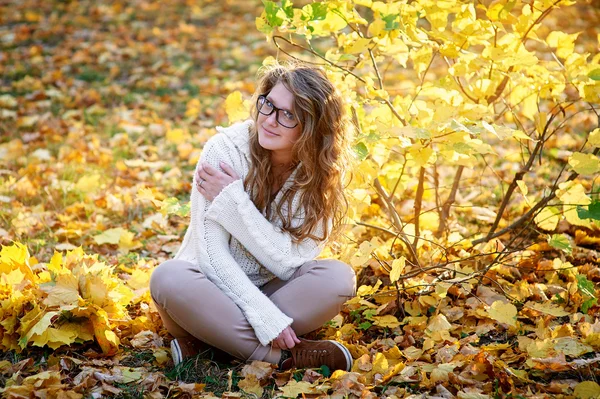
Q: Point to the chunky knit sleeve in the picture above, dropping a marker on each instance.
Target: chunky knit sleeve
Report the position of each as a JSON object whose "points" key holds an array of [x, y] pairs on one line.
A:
{"points": [[271, 246], [211, 244]]}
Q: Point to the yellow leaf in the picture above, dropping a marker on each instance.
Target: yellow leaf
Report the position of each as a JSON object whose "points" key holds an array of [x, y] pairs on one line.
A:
{"points": [[161, 355], [365, 290], [386, 321], [16, 256], [442, 371], [234, 106], [594, 138], [176, 136], [548, 308], [65, 291], [523, 187], [250, 384], [548, 218], [55, 264], [332, 23], [127, 242], [439, 323], [139, 279], [108, 341], [429, 221], [377, 28], [518, 134], [192, 108], [294, 388], [130, 375], [571, 346], [397, 269], [12, 278], [503, 312], [563, 42], [423, 156], [55, 337], [358, 46], [110, 236], [88, 184], [261, 370], [584, 164], [572, 193], [587, 390], [380, 364], [42, 325], [28, 121]]}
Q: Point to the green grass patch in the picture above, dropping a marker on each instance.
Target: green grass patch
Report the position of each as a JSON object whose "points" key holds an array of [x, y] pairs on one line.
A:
{"points": [[90, 76]]}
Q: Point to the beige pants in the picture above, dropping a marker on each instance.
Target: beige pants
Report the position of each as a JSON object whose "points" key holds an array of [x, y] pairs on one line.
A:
{"points": [[189, 304]]}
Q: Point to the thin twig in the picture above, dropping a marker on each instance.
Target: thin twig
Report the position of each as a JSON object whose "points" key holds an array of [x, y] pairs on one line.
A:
{"points": [[445, 213], [313, 52], [397, 221], [418, 203]]}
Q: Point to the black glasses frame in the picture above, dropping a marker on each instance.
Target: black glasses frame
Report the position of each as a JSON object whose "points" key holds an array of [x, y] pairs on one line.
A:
{"points": [[259, 105]]}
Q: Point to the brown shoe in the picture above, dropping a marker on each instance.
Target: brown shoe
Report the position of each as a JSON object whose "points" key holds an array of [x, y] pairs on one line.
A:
{"points": [[186, 348], [312, 354]]}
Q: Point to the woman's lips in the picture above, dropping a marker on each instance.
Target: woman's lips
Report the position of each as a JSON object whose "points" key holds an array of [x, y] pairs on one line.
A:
{"points": [[269, 132]]}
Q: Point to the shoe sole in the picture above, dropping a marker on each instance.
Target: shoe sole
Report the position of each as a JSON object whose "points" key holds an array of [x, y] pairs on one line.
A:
{"points": [[347, 354], [176, 352]]}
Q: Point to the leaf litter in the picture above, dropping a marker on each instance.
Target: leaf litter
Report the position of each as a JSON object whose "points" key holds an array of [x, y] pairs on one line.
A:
{"points": [[104, 108]]}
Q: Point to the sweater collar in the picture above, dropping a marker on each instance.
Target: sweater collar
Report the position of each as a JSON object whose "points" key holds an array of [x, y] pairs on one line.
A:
{"points": [[239, 134]]}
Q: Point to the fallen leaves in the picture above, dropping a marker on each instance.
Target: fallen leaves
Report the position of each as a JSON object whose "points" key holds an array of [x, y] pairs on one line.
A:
{"points": [[73, 298], [104, 131]]}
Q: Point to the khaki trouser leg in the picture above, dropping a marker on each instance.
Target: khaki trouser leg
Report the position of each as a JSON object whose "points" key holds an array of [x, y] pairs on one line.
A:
{"points": [[189, 304]]}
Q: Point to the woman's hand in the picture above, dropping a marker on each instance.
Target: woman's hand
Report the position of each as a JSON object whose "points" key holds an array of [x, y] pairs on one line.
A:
{"points": [[210, 181], [287, 339]]}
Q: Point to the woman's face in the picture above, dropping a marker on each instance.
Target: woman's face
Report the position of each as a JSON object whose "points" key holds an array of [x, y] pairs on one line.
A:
{"points": [[271, 134]]}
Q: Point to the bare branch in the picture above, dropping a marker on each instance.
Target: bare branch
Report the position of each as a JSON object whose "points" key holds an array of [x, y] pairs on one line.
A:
{"points": [[397, 222], [313, 52], [445, 213], [418, 203]]}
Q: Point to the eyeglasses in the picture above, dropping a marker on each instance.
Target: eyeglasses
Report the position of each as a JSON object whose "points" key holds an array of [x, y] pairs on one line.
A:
{"points": [[266, 107]]}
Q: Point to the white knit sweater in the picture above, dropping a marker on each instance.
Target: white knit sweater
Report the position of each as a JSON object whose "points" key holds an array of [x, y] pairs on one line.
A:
{"points": [[235, 245]]}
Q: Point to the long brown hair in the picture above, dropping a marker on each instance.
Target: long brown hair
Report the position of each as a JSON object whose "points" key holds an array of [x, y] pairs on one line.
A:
{"points": [[321, 153]]}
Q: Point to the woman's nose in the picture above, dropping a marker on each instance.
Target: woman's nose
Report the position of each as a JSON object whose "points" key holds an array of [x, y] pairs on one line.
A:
{"points": [[272, 119]]}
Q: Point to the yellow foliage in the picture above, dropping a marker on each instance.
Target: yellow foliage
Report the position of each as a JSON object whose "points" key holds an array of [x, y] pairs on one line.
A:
{"points": [[79, 288]]}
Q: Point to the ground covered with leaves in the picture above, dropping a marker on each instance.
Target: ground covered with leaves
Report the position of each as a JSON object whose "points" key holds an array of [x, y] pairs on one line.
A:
{"points": [[104, 108]]}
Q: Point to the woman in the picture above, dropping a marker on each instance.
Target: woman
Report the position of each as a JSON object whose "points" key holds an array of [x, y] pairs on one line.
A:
{"points": [[266, 195]]}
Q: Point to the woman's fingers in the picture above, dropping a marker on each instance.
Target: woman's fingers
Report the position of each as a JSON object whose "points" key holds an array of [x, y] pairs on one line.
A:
{"points": [[209, 169], [229, 170]]}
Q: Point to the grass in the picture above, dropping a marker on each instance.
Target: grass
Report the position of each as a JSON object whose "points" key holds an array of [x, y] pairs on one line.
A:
{"points": [[136, 358], [218, 377]]}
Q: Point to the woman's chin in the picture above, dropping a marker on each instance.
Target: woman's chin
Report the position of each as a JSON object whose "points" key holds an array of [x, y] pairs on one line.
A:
{"points": [[266, 143]]}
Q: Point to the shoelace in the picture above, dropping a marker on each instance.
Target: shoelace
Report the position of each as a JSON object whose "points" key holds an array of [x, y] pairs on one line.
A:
{"points": [[312, 357]]}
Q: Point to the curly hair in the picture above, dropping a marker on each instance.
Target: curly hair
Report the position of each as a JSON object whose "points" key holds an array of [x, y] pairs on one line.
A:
{"points": [[321, 153]]}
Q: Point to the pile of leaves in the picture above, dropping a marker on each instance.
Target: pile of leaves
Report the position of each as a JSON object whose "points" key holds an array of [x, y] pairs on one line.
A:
{"points": [[105, 106]]}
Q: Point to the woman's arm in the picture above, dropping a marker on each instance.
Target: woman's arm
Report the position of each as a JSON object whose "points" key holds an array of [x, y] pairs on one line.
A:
{"points": [[211, 243], [272, 247]]}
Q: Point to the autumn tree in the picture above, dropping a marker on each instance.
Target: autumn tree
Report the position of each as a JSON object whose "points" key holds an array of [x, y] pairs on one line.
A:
{"points": [[477, 128]]}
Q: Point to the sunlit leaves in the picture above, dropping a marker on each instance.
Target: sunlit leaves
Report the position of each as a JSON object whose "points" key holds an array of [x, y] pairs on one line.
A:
{"points": [[563, 42], [585, 164], [594, 137], [73, 299], [560, 242], [503, 313], [398, 266], [548, 218], [595, 74], [235, 108]]}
